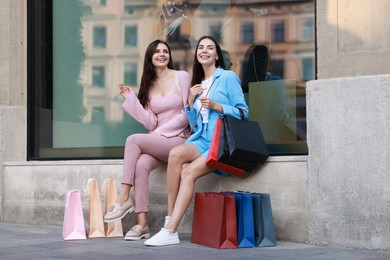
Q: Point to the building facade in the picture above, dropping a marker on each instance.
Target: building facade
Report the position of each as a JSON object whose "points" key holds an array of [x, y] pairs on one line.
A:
{"points": [[328, 175]]}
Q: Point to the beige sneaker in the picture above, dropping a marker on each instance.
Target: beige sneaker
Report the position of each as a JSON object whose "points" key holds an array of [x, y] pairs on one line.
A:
{"points": [[137, 233]]}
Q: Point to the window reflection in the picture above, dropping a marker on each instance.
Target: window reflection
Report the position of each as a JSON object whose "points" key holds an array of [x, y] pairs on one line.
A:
{"points": [[115, 33], [131, 36], [99, 37]]}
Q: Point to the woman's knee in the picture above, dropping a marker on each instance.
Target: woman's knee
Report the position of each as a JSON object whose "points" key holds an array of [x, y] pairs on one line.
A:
{"points": [[175, 155], [187, 175], [130, 139]]}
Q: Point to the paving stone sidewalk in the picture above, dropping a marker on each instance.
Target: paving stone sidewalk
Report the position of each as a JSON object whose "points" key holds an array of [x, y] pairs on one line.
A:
{"points": [[45, 242]]}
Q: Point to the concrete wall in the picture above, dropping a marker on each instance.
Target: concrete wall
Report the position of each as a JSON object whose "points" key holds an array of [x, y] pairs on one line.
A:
{"points": [[348, 119], [35, 192], [349, 161], [13, 88], [353, 38]]}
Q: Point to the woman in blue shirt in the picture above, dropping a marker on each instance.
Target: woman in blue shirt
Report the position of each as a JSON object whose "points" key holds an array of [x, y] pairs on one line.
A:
{"points": [[215, 92]]}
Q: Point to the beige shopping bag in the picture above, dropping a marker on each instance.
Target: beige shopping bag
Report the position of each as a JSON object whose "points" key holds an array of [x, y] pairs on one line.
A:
{"points": [[95, 215], [109, 195]]}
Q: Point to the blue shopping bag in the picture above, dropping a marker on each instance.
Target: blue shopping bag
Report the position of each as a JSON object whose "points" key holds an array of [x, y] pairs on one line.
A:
{"points": [[263, 221], [245, 219]]}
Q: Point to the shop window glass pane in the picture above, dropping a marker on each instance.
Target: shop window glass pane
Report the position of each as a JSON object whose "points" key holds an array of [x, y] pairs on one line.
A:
{"points": [[99, 37], [77, 112]]}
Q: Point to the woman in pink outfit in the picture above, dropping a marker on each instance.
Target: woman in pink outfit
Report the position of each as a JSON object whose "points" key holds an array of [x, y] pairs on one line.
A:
{"points": [[159, 106]]}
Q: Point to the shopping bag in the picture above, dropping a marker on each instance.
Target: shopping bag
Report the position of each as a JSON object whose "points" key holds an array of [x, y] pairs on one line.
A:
{"points": [[264, 225], [245, 140], [212, 157], [214, 220], [224, 153], [245, 220], [73, 227], [95, 215], [109, 195]]}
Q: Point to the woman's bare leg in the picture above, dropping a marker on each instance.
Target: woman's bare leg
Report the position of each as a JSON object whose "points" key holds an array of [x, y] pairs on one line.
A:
{"points": [[189, 175], [177, 157]]}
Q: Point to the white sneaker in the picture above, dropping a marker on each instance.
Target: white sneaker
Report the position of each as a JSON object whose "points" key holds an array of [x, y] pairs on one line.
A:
{"points": [[163, 238]]}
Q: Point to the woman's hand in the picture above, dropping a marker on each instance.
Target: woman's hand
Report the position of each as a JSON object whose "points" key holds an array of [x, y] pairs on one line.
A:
{"points": [[194, 91], [210, 104], [124, 90]]}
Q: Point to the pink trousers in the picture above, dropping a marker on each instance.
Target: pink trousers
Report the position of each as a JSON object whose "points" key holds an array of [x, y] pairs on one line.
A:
{"points": [[143, 153]]}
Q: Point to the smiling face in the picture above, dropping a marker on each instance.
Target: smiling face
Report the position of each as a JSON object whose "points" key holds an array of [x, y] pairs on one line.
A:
{"points": [[161, 56], [206, 52]]}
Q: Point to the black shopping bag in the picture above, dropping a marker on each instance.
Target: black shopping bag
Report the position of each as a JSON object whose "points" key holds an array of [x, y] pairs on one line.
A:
{"points": [[224, 153], [245, 140]]}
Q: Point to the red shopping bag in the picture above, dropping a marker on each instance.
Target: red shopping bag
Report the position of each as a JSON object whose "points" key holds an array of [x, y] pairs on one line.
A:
{"points": [[73, 227], [212, 158], [214, 221]]}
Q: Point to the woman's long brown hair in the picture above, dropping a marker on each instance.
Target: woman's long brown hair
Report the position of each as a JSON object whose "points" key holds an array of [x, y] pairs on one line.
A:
{"points": [[197, 69], [149, 75]]}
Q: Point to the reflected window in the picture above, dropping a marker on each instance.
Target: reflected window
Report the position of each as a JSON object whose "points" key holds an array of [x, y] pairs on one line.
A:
{"points": [[277, 68], [247, 33], [103, 2], [129, 9], [98, 76], [308, 68], [215, 31], [99, 37], [130, 74], [278, 31], [308, 30], [97, 115], [131, 36]]}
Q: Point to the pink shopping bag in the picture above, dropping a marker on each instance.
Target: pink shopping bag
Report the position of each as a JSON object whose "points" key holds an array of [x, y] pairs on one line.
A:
{"points": [[95, 214], [109, 195], [73, 227]]}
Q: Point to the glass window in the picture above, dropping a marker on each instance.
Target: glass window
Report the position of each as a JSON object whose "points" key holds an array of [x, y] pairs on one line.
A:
{"points": [[308, 30], [131, 36], [278, 31], [99, 37], [74, 103], [215, 31], [98, 76], [247, 33], [308, 68], [130, 75]]}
